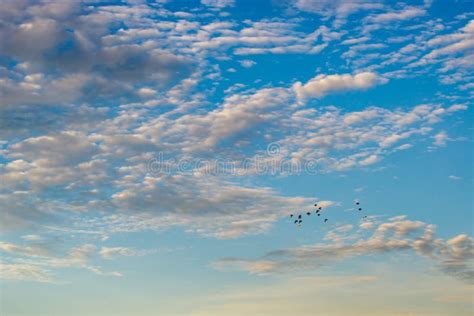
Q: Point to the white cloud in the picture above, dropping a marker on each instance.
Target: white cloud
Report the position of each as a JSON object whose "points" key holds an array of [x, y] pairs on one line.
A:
{"points": [[453, 50], [247, 63], [116, 154], [31, 237], [90, 69], [36, 263], [336, 140], [112, 252], [325, 84], [66, 148], [405, 14], [34, 250], [238, 113], [212, 207], [454, 256], [23, 272], [457, 107], [370, 160], [91, 159], [218, 3], [440, 139], [146, 92], [339, 8]]}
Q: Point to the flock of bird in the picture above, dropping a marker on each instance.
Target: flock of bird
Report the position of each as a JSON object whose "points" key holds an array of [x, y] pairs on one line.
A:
{"points": [[317, 212]]}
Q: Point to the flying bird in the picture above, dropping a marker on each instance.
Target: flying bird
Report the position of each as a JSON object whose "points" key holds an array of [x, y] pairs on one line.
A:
{"points": [[298, 218]]}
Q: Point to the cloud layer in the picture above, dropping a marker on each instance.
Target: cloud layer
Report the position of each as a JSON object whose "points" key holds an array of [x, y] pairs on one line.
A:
{"points": [[453, 256], [92, 93]]}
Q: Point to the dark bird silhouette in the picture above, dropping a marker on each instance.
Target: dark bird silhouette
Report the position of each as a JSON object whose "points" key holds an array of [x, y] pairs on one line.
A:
{"points": [[318, 212]]}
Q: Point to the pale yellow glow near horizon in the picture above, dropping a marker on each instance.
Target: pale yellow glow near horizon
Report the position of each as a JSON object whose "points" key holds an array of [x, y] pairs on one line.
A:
{"points": [[392, 294]]}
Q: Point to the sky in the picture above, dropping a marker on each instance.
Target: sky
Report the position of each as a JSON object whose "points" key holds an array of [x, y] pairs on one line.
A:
{"points": [[151, 153]]}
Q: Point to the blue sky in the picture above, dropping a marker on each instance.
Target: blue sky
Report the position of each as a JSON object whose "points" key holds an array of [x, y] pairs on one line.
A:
{"points": [[151, 153]]}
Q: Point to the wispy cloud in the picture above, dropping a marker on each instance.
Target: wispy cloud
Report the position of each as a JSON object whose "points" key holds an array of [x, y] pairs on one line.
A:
{"points": [[453, 256]]}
